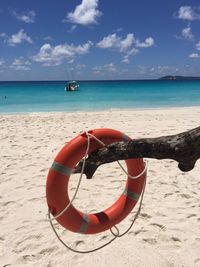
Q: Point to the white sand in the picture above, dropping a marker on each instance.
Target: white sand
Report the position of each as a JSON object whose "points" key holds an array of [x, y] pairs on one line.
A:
{"points": [[167, 233]]}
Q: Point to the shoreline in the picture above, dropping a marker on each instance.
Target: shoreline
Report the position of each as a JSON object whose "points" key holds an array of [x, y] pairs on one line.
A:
{"points": [[100, 111], [162, 235]]}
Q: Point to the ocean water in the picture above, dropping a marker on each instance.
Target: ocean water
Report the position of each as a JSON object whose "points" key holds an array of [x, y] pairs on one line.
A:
{"points": [[50, 96]]}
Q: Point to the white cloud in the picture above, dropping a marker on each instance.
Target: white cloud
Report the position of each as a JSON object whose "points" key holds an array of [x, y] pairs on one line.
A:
{"points": [[53, 56], [27, 17], [78, 69], [198, 46], [110, 67], [125, 60], [18, 38], [114, 41], [20, 64], [156, 71], [86, 13], [147, 43], [126, 43], [109, 41], [131, 52], [141, 69], [187, 13], [194, 56], [129, 45], [97, 69], [105, 69], [187, 33]]}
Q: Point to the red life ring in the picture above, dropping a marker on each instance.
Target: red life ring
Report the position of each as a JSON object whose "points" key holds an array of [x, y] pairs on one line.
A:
{"points": [[58, 178]]}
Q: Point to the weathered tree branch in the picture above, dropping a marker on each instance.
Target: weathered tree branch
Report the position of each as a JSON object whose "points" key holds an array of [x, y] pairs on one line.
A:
{"points": [[183, 148]]}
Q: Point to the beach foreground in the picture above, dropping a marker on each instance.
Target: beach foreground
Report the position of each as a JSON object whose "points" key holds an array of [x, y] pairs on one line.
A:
{"points": [[167, 232]]}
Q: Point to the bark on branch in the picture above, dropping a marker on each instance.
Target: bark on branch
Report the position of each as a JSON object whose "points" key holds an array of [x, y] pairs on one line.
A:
{"points": [[183, 148]]}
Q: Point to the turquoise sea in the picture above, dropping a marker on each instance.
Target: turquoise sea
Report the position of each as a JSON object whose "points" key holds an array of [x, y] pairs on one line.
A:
{"points": [[97, 95]]}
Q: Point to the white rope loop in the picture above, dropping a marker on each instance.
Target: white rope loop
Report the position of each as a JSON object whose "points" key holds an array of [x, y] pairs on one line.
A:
{"points": [[78, 185], [116, 235]]}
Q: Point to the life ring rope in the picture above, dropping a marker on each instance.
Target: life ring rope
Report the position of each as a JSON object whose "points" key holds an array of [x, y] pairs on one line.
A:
{"points": [[133, 195], [79, 181]]}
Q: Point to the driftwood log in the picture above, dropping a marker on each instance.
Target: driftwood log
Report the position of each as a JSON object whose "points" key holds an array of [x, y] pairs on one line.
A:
{"points": [[183, 148]]}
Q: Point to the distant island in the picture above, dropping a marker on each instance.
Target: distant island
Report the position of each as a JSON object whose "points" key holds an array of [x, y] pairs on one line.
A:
{"points": [[171, 77]]}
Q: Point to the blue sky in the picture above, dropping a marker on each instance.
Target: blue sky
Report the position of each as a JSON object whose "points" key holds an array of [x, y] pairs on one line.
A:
{"points": [[98, 39]]}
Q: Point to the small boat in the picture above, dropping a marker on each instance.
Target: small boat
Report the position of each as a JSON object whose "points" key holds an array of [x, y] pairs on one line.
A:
{"points": [[71, 86]]}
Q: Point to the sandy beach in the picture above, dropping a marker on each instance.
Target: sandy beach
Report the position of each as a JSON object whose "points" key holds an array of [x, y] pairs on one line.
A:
{"points": [[166, 233]]}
